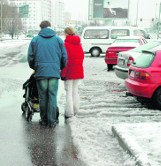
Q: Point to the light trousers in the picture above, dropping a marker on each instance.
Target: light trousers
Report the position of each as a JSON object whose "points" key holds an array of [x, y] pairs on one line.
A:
{"points": [[72, 97]]}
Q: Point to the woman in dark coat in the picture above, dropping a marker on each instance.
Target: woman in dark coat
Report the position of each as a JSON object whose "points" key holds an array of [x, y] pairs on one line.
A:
{"points": [[73, 71]]}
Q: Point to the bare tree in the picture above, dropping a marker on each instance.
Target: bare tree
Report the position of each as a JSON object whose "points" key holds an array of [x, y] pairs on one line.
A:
{"points": [[11, 21]]}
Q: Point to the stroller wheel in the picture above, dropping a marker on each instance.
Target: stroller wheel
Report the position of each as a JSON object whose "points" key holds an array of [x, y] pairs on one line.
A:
{"points": [[23, 107], [29, 117], [28, 114]]}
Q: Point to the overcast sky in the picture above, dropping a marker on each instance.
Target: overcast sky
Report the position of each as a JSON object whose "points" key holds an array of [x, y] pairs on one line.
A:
{"points": [[79, 8]]}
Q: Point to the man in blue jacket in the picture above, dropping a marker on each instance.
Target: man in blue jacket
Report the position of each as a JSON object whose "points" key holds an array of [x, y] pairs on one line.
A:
{"points": [[47, 56]]}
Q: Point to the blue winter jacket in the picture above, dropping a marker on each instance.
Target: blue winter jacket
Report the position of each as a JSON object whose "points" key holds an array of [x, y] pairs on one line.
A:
{"points": [[45, 53]]}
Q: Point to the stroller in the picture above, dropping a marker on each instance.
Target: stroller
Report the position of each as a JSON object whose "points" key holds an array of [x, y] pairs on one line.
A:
{"points": [[31, 103]]}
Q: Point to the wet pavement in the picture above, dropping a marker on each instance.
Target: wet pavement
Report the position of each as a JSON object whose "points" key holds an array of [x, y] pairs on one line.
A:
{"points": [[29, 144], [25, 143]]}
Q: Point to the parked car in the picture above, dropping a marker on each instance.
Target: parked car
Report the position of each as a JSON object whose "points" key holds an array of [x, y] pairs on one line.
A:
{"points": [[96, 39], [125, 58], [29, 35], [144, 76], [123, 43]]}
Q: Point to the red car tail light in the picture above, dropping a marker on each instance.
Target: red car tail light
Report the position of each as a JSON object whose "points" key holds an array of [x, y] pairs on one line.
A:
{"points": [[130, 61], [109, 52], [143, 75]]}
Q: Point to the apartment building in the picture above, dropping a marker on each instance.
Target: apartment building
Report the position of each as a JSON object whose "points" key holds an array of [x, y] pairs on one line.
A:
{"points": [[57, 14], [38, 10]]}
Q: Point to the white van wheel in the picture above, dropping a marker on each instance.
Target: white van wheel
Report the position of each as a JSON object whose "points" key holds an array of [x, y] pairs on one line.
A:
{"points": [[95, 52]]}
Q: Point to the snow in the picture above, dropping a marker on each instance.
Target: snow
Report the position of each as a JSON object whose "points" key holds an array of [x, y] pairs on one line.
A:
{"points": [[93, 128], [146, 142]]}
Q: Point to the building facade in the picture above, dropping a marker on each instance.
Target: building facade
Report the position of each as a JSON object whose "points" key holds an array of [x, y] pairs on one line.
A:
{"points": [[57, 14], [38, 10]]}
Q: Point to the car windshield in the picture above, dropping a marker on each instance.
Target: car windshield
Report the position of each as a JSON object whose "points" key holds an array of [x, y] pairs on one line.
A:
{"points": [[151, 45], [126, 41], [144, 60]]}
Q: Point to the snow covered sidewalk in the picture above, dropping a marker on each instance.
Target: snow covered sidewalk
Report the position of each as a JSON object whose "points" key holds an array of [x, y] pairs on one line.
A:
{"points": [[105, 114], [141, 140]]}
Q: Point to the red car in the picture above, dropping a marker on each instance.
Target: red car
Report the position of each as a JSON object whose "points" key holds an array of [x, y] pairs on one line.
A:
{"points": [[121, 44], [144, 76]]}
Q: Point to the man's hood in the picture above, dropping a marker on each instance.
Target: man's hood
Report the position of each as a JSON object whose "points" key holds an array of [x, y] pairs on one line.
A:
{"points": [[47, 33]]}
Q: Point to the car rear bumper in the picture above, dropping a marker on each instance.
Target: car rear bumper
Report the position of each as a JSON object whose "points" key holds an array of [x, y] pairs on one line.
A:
{"points": [[121, 72], [140, 89]]}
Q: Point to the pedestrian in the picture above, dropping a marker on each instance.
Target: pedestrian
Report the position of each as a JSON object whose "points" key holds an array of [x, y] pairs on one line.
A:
{"points": [[47, 56], [73, 71]]}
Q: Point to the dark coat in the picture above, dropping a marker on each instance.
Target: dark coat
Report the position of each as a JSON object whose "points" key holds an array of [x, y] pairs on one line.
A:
{"points": [[45, 53]]}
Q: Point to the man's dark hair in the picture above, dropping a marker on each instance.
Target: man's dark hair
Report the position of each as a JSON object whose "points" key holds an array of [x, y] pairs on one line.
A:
{"points": [[45, 24]]}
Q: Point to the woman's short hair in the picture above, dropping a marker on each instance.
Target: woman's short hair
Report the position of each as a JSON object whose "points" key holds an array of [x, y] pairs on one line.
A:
{"points": [[45, 24], [69, 31]]}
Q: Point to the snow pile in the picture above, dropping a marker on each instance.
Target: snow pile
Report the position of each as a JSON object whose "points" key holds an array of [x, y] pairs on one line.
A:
{"points": [[143, 140]]}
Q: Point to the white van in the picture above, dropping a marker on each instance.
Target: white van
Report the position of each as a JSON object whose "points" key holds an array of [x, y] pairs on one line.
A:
{"points": [[96, 39]]}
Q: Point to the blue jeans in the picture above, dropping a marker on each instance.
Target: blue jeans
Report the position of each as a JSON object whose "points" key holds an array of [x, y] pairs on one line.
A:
{"points": [[47, 91]]}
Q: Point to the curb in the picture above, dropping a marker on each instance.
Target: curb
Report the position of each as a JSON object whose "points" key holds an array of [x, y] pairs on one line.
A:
{"points": [[141, 159]]}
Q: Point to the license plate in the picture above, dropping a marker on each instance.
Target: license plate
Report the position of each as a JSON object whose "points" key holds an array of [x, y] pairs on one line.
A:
{"points": [[121, 62], [132, 73]]}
